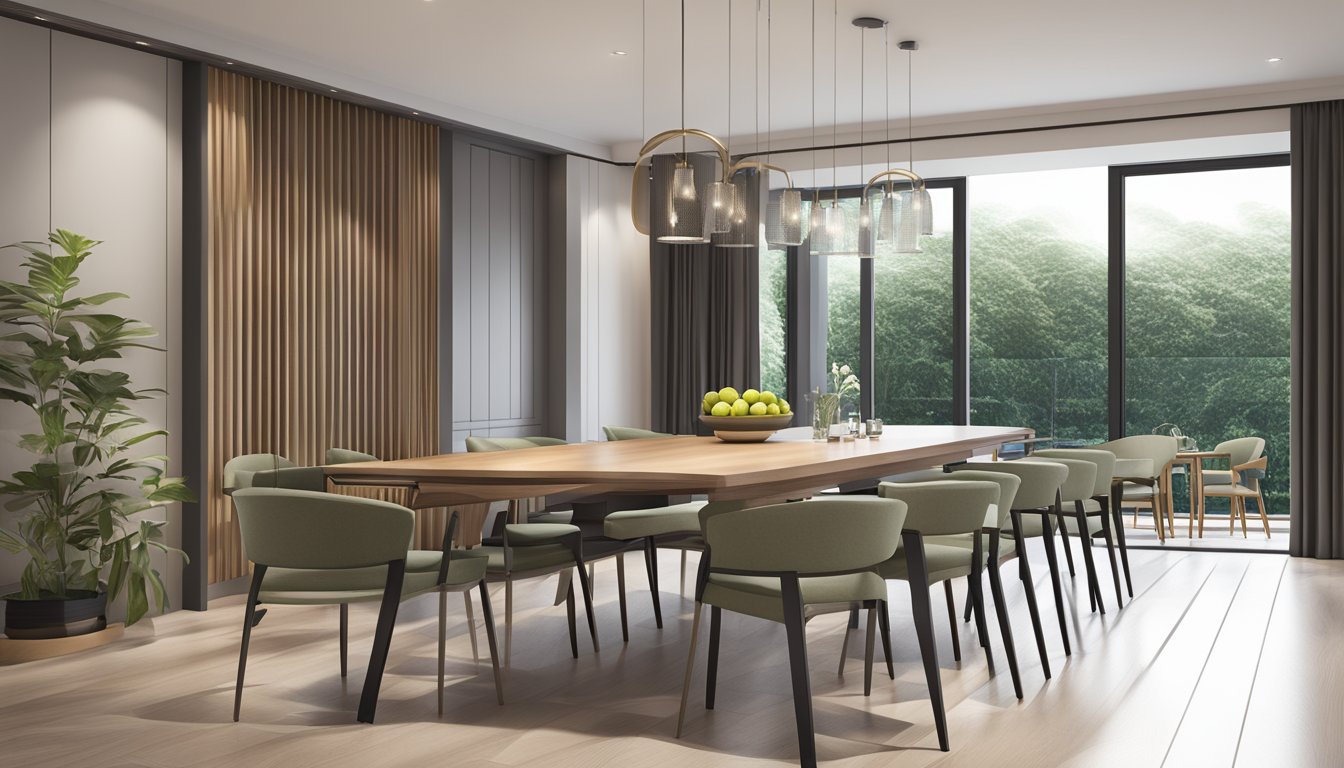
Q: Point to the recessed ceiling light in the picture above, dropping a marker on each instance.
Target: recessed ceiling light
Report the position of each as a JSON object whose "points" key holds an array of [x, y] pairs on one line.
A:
{"points": [[141, 42], [39, 18], [1274, 59], [416, 113], [230, 63], [333, 90], [620, 53]]}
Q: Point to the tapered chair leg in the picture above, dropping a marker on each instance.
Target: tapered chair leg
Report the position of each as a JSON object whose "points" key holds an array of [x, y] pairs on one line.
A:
{"points": [[712, 667], [884, 627], [966, 615], [573, 628], [382, 640], [977, 597], [1093, 585], [1029, 589], [508, 622], [951, 619], [1260, 507], [345, 636], [443, 641], [928, 643], [250, 619], [1113, 506], [1241, 506], [1001, 611], [651, 565], [1068, 550], [1109, 536], [471, 627], [802, 683], [1052, 559], [868, 649], [488, 616], [620, 588], [844, 645], [588, 605], [690, 667], [683, 576]]}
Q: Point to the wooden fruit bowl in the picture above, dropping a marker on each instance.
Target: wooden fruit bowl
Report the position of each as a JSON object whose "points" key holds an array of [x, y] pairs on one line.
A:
{"points": [[746, 429]]}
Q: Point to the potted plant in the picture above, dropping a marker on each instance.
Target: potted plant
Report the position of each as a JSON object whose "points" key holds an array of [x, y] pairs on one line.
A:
{"points": [[77, 504]]}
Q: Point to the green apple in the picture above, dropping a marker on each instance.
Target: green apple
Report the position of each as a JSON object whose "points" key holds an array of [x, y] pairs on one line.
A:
{"points": [[784, 406], [772, 409], [721, 409], [711, 398], [751, 396], [705, 407], [740, 407], [728, 395], [769, 398], [758, 409]]}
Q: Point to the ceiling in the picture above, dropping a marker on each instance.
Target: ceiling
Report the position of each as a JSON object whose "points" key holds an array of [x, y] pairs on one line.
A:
{"points": [[544, 70]]}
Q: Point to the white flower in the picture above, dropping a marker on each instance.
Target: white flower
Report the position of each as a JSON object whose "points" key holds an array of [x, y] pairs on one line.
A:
{"points": [[852, 379], [835, 367], [844, 370]]}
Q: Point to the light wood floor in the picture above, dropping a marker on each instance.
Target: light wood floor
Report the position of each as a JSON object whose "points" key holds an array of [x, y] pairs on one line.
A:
{"points": [[1221, 660]]}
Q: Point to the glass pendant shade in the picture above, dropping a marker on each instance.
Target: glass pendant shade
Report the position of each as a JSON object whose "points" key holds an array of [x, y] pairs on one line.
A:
{"points": [[718, 207], [682, 220], [925, 212], [908, 222], [886, 216], [830, 230], [867, 233], [784, 223], [742, 228]]}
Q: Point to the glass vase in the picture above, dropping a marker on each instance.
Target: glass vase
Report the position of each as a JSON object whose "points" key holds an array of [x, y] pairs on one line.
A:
{"points": [[824, 412]]}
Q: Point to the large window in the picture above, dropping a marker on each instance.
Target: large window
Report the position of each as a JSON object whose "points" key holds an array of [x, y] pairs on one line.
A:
{"points": [[774, 312], [913, 336], [1038, 272], [1207, 299]]}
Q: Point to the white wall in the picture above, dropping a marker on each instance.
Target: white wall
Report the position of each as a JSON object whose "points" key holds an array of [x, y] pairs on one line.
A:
{"points": [[89, 141], [606, 301]]}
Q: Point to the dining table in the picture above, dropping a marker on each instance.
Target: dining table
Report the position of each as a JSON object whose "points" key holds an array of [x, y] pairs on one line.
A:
{"points": [[789, 465]]}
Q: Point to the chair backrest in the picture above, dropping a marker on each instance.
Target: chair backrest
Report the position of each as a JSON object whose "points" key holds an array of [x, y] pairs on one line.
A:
{"points": [[1081, 482], [817, 536], [631, 433], [306, 529], [1159, 450], [239, 470], [1242, 449], [943, 507], [480, 444], [347, 456], [1008, 485], [1041, 480], [1105, 461]]}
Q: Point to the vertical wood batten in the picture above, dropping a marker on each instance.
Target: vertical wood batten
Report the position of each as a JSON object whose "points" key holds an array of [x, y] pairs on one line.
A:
{"points": [[322, 315]]}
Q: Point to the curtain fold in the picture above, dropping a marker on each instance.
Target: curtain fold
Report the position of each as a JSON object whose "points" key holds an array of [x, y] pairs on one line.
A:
{"points": [[704, 312], [1317, 427]]}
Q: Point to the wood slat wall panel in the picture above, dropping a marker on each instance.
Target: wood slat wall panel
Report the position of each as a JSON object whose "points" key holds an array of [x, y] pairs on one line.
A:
{"points": [[323, 298]]}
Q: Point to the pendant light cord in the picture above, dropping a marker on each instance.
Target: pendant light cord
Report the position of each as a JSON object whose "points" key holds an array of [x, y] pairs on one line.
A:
{"points": [[910, 107], [684, 158], [835, 98]]}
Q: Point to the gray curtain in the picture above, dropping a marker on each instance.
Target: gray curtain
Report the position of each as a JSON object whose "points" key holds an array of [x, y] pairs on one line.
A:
{"points": [[1317, 430], [704, 312]]}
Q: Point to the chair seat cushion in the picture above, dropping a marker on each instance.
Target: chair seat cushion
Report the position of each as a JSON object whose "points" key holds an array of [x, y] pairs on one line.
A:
{"points": [[533, 558], [1093, 526], [306, 586], [538, 533], [1216, 477], [552, 517], [943, 558], [1137, 492], [1032, 526], [1228, 490], [1006, 544], [657, 521], [762, 596], [1134, 468]]}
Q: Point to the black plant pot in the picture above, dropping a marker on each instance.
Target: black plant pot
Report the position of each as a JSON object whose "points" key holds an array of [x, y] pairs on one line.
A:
{"points": [[79, 614]]}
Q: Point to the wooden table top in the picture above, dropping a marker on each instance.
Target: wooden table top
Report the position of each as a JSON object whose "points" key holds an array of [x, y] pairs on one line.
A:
{"points": [[675, 465]]}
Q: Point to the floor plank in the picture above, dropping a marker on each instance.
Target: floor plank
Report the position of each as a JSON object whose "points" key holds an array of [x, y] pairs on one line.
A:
{"points": [[1221, 657]]}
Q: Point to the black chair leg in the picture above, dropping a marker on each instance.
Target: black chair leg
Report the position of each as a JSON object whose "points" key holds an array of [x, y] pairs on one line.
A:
{"points": [[884, 627], [651, 565], [1052, 559], [569, 614], [620, 588], [588, 602], [952, 619], [966, 615], [1106, 533], [1001, 610], [712, 670], [250, 619], [1114, 508], [1090, 563], [345, 635], [928, 643], [977, 598], [382, 640], [1029, 587], [868, 649], [802, 683], [489, 615], [1068, 551]]}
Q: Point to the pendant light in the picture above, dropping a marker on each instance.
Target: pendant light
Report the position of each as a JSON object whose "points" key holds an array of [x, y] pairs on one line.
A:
{"points": [[785, 225], [741, 231], [834, 222], [690, 213], [906, 211], [866, 206]]}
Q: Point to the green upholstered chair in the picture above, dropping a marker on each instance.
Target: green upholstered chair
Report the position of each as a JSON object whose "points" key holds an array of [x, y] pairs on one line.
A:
{"points": [[312, 548], [958, 516], [632, 433], [1034, 508], [675, 526], [347, 456], [477, 444], [1102, 518], [788, 562], [269, 470], [1140, 462], [415, 562], [1073, 494]]}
